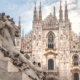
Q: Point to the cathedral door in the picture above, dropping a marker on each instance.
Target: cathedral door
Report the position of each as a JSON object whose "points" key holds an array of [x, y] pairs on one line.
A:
{"points": [[50, 64], [76, 76]]}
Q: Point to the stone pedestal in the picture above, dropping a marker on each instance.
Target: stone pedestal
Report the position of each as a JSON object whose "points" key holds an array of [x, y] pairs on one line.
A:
{"points": [[8, 71], [1, 54], [14, 76], [7, 66]]}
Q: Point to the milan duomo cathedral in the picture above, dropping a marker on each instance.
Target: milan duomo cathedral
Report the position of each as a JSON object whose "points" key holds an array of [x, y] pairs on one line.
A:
{"points": [[54, 44]]}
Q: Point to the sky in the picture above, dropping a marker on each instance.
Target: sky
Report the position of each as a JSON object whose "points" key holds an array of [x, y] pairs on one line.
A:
{"points": [[25, 8]]}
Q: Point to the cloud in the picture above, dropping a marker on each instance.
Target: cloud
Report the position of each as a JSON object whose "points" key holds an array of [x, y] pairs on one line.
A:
{"points": [[74, 16], [23, 8], [26, 12], [73, 9]]}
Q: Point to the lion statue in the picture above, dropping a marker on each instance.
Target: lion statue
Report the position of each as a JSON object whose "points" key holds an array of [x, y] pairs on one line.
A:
{"points": [[8, 32]]}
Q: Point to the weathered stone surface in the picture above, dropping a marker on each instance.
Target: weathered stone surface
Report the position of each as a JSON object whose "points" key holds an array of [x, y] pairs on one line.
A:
{"points": [[1, 54], [6, 65], [8, 32], [25, 77], [13, 76]]}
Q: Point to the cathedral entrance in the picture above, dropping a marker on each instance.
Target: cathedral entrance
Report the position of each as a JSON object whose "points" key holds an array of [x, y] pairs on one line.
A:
{"points": [[76, 76]]}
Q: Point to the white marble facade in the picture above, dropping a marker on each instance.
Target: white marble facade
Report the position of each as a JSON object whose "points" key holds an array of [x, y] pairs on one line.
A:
{"points": [[53, 39]]}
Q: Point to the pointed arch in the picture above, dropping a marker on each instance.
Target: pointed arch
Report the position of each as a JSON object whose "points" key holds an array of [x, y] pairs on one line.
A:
{"points": [[50, 32], [50, 39], [75, 60]]}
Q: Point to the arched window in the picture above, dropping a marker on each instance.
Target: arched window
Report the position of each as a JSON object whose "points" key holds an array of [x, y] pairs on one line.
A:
{"points": [[50, 64], [75, 60], [76, 76], [50, 41]]}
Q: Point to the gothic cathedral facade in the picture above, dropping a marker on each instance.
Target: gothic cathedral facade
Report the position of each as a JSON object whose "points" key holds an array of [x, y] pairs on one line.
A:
{"points": [[54, 45]]}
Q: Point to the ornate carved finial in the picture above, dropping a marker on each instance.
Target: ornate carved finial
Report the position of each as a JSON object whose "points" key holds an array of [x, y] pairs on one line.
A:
{"points": [[40, 4], [60, 4], [35, 5], [66, 11], [35, 19], [40, 13], [60, 12], [19, 21], [79, 36], [54, 11], [19, 25]]}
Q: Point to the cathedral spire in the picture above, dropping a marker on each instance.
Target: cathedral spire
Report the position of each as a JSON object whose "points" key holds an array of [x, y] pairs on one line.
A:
{"points": [[19, 25], [40, 13], [40, 5], [60, 13], [54, 11], [79, 36], [23, 33], [66, 11], [35, 13], [55, 14], [35, 7], [35, 10]]}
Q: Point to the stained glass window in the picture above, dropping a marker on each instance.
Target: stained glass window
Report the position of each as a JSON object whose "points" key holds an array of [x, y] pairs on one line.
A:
{"points": [[50, 41], [75, 60]]}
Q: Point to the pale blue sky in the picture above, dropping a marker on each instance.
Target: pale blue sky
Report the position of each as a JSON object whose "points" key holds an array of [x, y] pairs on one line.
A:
{"points": [[24, 8]]}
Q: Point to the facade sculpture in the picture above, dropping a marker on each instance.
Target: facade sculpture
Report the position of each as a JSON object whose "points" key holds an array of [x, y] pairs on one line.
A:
{"points": [[52, 43]]}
